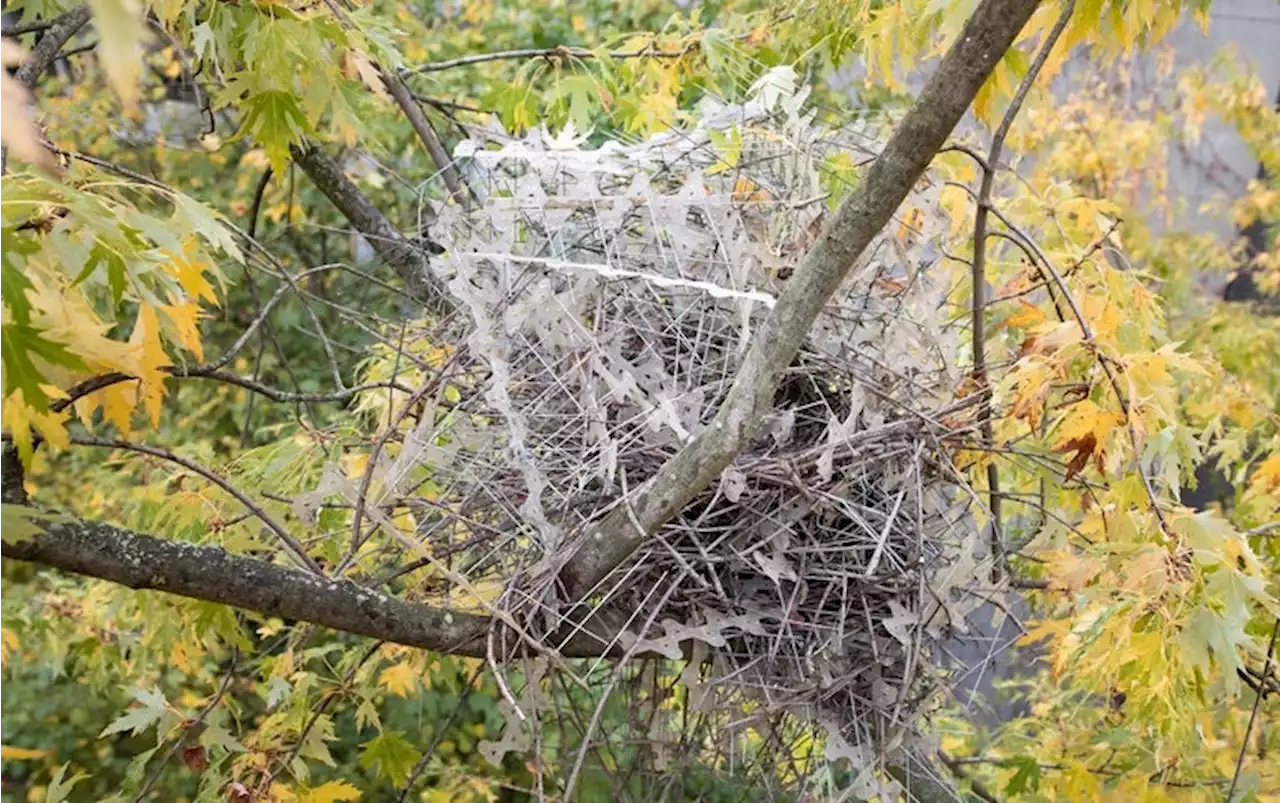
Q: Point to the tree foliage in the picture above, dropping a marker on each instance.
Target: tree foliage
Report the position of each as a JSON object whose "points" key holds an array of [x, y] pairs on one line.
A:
{"points": [[220, 315]]}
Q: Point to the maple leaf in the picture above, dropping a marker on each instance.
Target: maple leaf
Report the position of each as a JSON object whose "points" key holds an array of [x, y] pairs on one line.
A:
{"points": [[14, 286], [1267, 476], [358, 66], [276, 122], [60, 786], [390, 755], [1084, 448], [185, 317], [1028, 314], [1085, 431], [399, 679], [21, 522], [153, 706], [150, 359], [19, 344], [20, 419]]}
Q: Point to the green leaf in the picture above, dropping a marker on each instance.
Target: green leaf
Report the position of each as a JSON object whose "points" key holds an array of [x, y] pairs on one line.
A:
{"points": [[136, 720], [18, 345], [136, 770], [1026, 778], [60, 788], [207, 223], [276, 122], [13, 287], [19, 522], [221, 737], [390, 756]]}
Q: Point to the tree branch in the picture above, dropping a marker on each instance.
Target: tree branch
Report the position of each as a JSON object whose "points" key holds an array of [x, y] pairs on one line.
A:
{"points": [[405, 258], [427, 133], [989, 32], [207, 573], [560, 52], [46, 50]]}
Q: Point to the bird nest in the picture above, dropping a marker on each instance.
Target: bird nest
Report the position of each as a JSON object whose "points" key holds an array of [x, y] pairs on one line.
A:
{"points": [[608, 295]]}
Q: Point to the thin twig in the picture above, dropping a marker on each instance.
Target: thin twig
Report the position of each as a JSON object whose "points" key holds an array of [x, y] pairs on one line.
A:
{"points": [[979, 282], [195, 723], [558, 52], [293, 548], [1253, 715]]}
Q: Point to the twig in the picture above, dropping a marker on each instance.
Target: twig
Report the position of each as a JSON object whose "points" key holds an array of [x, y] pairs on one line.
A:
{"points": [[559, 51], [957, 769], [199, 720], [46, 50], [258, 193], [1253, 715], [22, 28], [202, 372], [295, 549], [421, 125], [979, 281]]}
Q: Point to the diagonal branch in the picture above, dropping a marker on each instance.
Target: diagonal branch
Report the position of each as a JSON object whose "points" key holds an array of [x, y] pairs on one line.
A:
{"points": [[46, 50], [986, 36], [408, 260], [207, 573]]}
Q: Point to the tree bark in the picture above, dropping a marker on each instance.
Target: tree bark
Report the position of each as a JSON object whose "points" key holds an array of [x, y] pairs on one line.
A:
{"points": [[95, 549], [981, 44], [403, 255]]}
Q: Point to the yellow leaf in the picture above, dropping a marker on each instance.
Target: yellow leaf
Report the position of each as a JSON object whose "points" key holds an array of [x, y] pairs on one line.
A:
{"points": [[331, 792], [190, 272], [1028, 315], [20, 419], [120, 30], [118, 403], [399, 679], [359, 63], [185, 317], [1266, 479], [1086, 418], [1071, 572], [9, 753], [151, 358], [8, 645]]}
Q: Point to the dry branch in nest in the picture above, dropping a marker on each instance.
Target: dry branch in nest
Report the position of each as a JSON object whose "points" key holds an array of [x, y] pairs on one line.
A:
{"points": [[608, 295]]}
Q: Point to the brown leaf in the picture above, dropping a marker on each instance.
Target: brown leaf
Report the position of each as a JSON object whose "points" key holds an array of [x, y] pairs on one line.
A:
{"points": [[195, 758], [1084, 448]]}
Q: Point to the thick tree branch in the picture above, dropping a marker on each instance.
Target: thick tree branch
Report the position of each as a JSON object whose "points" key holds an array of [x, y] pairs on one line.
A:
{"points": [[206, 573], [408, 260], [980, 46], [46, 50]]}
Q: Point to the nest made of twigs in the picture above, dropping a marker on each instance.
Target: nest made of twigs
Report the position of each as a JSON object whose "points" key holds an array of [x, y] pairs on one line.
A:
{"points": [[608, 295]]}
